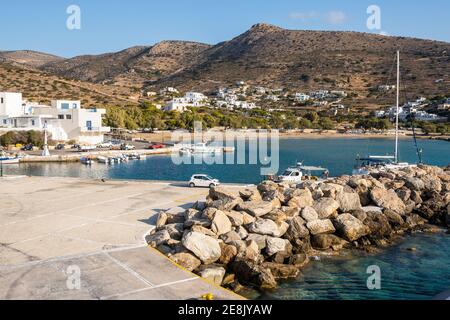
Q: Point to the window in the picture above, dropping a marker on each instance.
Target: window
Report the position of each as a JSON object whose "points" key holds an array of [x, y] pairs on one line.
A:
{"points": [[64, 106], [33, 123], [5, 121], [89, 125], [68, 116], [2, 100], [61, 116]]}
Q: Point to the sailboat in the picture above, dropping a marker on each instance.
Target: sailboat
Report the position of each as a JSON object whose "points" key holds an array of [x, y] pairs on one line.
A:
{"points": [[387, 161]]}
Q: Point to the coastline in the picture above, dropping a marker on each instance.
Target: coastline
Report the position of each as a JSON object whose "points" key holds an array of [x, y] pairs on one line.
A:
{"points": [[241, 134], [257, 237]]}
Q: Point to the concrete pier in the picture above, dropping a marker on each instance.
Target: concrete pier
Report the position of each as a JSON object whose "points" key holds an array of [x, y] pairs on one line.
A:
{"points": [[54, 231]]}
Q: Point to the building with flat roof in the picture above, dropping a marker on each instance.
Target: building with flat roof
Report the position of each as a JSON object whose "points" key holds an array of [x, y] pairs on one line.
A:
{"points": [[64, 119]]}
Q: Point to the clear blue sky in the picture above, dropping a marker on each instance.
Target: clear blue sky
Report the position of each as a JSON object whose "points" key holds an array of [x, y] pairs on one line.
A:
{"points": [[112, 25]]}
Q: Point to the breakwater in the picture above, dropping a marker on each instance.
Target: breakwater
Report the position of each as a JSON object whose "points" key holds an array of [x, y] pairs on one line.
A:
{"points": [[258, 236]]}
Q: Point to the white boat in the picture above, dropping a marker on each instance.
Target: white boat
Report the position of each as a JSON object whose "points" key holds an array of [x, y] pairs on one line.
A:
{"points": [[386, 162], [200, 148], [301, 173], [9, 160], [103, 160], [86, 161]]}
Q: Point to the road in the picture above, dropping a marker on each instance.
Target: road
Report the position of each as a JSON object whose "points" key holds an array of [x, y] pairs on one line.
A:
{"points": [[67, 238]]}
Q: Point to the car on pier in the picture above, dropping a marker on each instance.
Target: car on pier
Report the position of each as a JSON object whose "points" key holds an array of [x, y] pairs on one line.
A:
{"points": [[157, 146], [203, 180]]}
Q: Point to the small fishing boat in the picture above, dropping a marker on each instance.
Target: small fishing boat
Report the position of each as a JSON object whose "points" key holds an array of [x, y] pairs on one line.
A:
{"points": [[9, 160], [86, 161], [200, 148], [301, 173], [103, 160]]}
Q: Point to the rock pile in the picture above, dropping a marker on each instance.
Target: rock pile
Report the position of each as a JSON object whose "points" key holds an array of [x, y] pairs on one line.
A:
{"points": [[258, 236]]}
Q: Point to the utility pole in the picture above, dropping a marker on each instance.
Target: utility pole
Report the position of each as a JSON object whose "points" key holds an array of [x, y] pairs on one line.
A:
{"points": [[398, 106]]}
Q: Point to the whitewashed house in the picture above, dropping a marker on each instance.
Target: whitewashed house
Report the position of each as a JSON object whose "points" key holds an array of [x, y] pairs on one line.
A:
{"points": [[301, 97], [65, 120]]}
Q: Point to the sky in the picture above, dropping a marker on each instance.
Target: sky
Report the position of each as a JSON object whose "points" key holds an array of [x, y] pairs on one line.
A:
{"points": [[113, 25]]}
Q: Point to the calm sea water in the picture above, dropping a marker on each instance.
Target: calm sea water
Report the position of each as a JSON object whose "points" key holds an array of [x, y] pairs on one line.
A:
{"points": [[338, 155], [405, 275]]}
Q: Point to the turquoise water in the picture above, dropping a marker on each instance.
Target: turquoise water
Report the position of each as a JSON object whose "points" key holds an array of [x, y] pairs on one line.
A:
{"points": [[405, 275], [338, 155]]}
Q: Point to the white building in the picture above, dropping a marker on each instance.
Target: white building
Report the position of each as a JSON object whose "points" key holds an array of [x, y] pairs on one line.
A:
{"points": [[65, 120], [301, 97], [191, 99]]}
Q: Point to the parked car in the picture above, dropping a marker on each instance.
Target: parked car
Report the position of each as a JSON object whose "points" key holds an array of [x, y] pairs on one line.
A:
{"points": [[60, 146], [105, 145], [28, 147], [157, 146], [127, 147], [203, 180]]}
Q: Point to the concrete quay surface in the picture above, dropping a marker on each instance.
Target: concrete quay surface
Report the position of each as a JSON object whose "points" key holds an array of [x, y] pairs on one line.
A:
{"points": [[68, 238]]}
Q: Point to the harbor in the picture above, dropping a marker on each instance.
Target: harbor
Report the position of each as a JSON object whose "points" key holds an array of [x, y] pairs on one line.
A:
{"points": [[49, 225]]}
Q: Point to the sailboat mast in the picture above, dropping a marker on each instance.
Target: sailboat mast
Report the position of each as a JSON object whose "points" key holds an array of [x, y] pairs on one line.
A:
{"points": [[398, 106]]}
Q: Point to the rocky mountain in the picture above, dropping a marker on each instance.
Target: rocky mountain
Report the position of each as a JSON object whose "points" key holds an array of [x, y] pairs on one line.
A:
{"points": [[271, 56], [28, 58], [134, 65]]}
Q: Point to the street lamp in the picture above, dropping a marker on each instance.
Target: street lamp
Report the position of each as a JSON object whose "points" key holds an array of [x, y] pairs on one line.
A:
{"points": [[45, 151]]}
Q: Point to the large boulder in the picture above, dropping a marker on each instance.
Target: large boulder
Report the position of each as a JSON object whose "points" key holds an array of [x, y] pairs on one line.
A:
{"points": [[299, 260], [275, 245], [413, 183], [161, 219], [230, 236], [378, 224], [302, 198], [327, 241], [250, 195], [268, 227], [326, 207], [158, 238], [256, 208], [387, 199], [186, 260], [320, 227], [175, 230], [221, 224], [228, 253], [249, 272], [394, 218], [309, 214], [213, 274], [404, 194], [348, 201], [297, 229], [236, 218], [224, 198], [282, 271], [259, 239], [432, 183], [207, 249], [350, 227]]}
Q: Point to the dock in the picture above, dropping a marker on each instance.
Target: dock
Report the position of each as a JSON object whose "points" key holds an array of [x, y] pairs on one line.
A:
{"points": [[54, 231]]}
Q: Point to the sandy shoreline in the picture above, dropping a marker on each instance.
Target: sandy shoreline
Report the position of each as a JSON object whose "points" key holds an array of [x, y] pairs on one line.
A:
{"points": [[231, 135]]}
